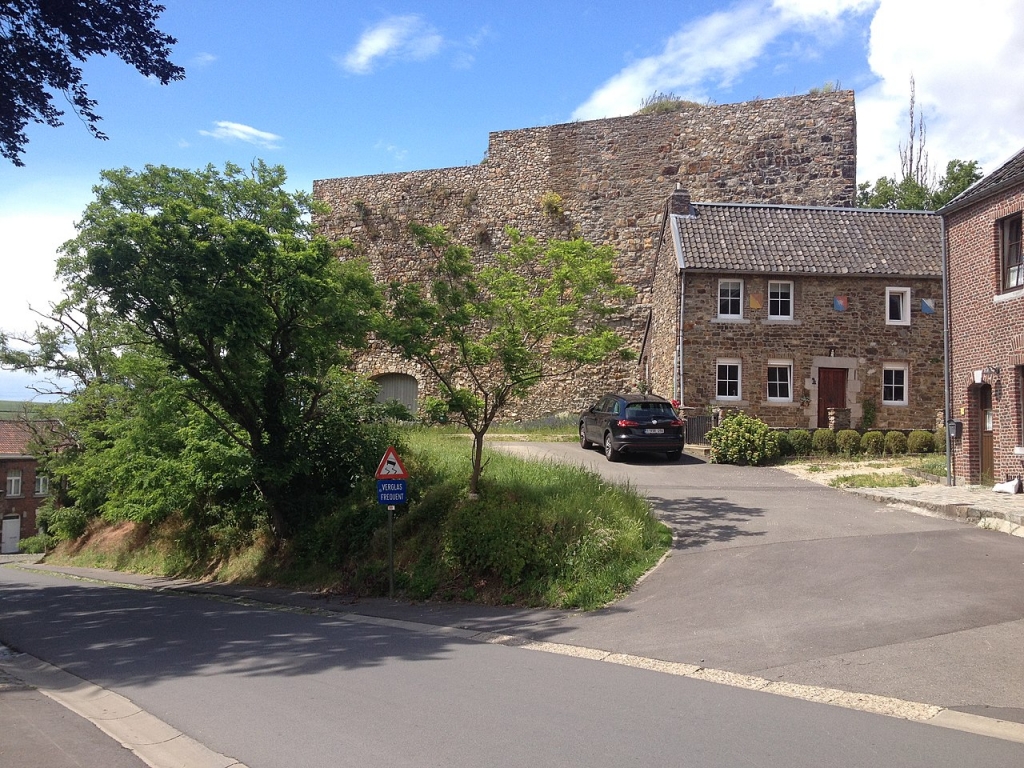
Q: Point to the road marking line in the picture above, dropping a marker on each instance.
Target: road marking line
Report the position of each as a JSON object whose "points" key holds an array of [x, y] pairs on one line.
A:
{"points": [[928, 714]]}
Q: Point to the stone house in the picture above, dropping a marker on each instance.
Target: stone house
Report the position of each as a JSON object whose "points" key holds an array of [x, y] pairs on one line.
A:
{"points": [[24, 488], [603, 180], [985, 274], [786, 311]]}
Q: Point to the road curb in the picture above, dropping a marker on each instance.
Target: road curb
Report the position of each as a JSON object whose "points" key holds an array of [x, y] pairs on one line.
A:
{"points": [[154, 742]]}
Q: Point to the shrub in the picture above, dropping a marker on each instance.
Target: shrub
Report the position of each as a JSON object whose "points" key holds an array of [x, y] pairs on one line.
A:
{"points": [[920, 441], [741, 439], [785, 446], [873, 443], [824, 441], [848, 442], [895, 443], [940, 439], [800, 439]]}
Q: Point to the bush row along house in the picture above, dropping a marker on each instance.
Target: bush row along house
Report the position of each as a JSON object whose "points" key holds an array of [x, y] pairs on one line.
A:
{"points": [[786, 312], [24, 488], [985, 268]]}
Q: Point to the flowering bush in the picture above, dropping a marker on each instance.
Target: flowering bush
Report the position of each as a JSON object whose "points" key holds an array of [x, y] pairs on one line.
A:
{"points": [[741, 439]]}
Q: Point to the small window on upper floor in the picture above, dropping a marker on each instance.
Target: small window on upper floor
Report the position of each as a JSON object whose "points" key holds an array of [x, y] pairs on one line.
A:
{"points": [[897, 306], [730, 298], [1010, 252], [42, 485], [780, 300], [13, 482]]}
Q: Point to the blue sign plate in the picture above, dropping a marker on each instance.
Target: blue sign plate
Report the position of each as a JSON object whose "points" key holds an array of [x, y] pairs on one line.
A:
{"points": [[391, 491]]}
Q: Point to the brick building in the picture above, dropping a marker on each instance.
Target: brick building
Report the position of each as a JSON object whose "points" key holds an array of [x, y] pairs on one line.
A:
{"points": [[604, 180], [786, 311], [986, 320], [24, 488]]}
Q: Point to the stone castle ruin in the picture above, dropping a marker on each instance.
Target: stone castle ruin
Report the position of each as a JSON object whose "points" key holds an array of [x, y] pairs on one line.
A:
{"points": [[608, 181]]}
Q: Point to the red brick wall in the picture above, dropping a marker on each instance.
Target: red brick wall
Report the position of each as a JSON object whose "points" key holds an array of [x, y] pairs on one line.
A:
{"points": [[986, 333], [27, 503]]}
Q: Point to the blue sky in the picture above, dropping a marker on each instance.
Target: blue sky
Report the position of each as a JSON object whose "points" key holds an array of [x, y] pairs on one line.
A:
{"points": [[337, 88]]}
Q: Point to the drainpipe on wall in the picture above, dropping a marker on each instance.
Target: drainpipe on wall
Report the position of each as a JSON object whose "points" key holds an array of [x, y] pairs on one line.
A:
{"points": [[947, 368]]}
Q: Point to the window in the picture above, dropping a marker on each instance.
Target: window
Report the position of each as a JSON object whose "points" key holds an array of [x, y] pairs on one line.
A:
{"points": [[780, 300], [14, 482], [780, 381], [1010, 249], [728, 387], [894, 384], [730, 298], [897, 306], [42, 485]]}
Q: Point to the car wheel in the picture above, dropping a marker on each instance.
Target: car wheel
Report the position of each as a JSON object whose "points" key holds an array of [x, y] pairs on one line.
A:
{"points": [[673, 455], [609, 450], [584, 443]]}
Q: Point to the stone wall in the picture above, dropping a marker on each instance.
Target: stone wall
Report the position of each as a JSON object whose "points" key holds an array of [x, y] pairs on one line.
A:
{"points": [[613, 178], [858, 340]]}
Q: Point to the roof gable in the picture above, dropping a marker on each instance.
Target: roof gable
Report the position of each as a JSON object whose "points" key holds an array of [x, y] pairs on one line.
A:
{"points": [[14, 438], [1009, 173], [808, 240]]}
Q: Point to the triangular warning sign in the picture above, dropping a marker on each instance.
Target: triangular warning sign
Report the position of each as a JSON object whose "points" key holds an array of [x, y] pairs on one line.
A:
{"points": [[391, 467]]}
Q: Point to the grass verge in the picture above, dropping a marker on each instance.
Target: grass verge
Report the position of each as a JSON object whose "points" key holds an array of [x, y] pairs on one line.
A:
{"points": [[539, 535]]}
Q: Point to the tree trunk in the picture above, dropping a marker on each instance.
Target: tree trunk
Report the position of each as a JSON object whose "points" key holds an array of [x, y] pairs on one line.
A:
{"points": [[478, 454]]}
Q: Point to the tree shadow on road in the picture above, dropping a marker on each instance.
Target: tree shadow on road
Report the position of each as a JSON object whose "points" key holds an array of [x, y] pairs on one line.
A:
{"points": [[700, 520]]}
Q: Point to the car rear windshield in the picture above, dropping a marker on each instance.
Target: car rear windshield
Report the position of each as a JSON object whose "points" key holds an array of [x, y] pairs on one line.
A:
{"points": [[648, 410]]}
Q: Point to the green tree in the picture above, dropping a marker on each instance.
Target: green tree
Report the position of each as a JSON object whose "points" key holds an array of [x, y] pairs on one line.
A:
{"points": [[222, 274], [40, 43], [916, 188], [490, 335]]}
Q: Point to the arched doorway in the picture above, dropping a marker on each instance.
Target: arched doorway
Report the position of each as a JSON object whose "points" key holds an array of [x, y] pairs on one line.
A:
{"points": [[398, 386]]}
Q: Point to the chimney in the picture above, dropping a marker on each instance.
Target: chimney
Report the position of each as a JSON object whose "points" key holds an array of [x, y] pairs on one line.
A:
{"points": [[679, 202]]}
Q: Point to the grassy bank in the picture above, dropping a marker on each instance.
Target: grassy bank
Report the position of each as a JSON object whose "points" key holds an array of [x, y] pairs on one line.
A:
{"points": [[545, 535]]}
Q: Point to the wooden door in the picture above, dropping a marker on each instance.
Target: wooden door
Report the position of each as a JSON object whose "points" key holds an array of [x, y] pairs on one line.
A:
{"points": [[986, 417], [831, 392]]}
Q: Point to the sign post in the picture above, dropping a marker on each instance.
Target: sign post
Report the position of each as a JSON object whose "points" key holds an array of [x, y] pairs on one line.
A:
{"points": [[391, 488]]}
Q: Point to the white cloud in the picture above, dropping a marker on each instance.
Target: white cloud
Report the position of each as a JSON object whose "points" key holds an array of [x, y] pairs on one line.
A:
{"points": [[227, 131], [713, 51], [966, 64], [397, 37], [31, 240], [203, 59]]}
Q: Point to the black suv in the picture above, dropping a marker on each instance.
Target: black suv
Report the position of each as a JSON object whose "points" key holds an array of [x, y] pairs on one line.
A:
{"points": [[633, 423]]}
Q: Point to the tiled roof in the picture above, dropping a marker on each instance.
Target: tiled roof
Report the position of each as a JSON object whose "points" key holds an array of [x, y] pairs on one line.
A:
{"points": [[809, 240], [14, 437], [1010, 172]]}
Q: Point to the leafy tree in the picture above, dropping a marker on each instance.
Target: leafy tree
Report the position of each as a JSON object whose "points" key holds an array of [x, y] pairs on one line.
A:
{"points": [[490, 335], [222, 275], [916, 188], [40, 43]]}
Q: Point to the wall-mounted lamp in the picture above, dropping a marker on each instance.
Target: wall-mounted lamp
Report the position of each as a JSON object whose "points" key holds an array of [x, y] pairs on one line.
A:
{"points": [[991, 370]]}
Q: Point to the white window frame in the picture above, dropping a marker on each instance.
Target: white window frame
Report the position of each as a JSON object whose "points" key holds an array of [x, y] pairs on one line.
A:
{"points": [[42, 487], [730, 316], [787, 365], [777, 316], [904, 306], [739, 379], [905, 370], [13, 483]]}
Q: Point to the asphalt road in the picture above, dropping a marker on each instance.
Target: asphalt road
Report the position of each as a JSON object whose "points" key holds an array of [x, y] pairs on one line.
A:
{"points": [[275, 688], [793, 581]]}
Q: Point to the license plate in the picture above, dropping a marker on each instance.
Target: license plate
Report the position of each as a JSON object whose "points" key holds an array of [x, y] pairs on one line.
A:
{"points": [[654, 431]]}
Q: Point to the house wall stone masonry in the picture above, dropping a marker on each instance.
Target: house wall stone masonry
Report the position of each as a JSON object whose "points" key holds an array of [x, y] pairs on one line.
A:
{"points": [[613, 178], [986, 330]]}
